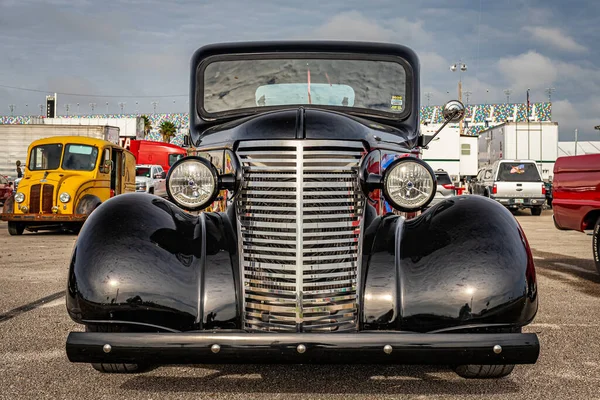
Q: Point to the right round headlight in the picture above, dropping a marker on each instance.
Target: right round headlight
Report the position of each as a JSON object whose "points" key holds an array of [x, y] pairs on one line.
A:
{"points": [[409, 184], [19, 197], [192, 183]]}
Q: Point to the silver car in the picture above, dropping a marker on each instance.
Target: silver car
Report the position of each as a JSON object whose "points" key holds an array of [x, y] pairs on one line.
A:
{"points": [[445, 187]]}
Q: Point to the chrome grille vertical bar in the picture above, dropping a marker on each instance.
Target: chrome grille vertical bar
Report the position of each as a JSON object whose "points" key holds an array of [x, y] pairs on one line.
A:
{"points": [[299, 234]]}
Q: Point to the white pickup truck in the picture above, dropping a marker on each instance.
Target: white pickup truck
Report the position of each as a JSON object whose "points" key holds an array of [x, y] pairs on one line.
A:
{"points": [[151, 179], [513, 183]]}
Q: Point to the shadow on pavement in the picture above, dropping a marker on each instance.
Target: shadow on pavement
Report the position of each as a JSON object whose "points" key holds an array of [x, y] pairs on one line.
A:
{"points": [[582, 268], [322, 379]]}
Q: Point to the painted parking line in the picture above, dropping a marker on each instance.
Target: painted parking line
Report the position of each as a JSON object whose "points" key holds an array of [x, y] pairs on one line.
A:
{"points": [[30, 306], [573, 267]]}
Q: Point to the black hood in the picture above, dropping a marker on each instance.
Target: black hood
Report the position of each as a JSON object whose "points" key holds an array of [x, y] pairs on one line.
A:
{"points": [[301, 123]]}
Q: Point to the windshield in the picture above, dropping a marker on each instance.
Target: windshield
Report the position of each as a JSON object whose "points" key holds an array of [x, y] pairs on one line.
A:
{"points": [[3, 180], [80, 157], [46, 156], [234, 85], [174, 157], [142, 171], [518, 172]]}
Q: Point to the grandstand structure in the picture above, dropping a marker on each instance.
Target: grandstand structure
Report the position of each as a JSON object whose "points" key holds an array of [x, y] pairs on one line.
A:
{"points": [[478, 117]]}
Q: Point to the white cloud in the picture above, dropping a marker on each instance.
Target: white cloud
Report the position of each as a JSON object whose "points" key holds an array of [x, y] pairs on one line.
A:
{"points": [[353, 26], [555, 38], [528, 70]]}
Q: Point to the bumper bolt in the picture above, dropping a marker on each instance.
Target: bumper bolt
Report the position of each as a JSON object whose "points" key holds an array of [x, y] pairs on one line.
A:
{"points": [[301, 348], [497, 349], [107, 348], [387, 349], [215, 348]]}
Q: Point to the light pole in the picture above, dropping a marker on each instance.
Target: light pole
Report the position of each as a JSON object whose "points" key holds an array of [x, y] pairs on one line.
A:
{"points": [[67, 107], [107, 108], [77, 108], [549, 92], [92, 106], [122, 105], [41, 106], [461, 67], [154, 104], [12, 109], [136, 108], [508, 92], [428, 96], [467, 95]]}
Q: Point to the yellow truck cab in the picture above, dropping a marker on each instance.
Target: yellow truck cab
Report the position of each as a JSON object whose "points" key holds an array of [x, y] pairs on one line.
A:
{"points": [[65, 179]]}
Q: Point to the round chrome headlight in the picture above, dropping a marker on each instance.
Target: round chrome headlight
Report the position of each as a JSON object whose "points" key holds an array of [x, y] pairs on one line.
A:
{"points": [[64, 197], [409, 184], [192, 183], [19, 197]]}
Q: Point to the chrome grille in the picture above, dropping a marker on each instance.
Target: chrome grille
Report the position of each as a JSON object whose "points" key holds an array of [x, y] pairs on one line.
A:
{"points": [[300, 217]]}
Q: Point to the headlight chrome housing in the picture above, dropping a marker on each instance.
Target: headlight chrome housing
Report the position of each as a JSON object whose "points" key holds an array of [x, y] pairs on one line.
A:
{"points": [[193, 183], [409, 184], [19, 197], [64, 197]]}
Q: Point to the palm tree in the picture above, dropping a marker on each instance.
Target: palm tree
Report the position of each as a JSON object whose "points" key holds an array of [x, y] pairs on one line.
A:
{"points": [[147, 125], [167, 129]]}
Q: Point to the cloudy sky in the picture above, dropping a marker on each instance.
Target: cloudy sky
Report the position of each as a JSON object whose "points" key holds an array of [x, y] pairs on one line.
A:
{"points": [[141, 48]]}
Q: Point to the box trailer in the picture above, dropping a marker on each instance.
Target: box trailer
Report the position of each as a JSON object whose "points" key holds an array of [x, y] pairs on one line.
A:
{"points": [[16, 139], [443, 151], [132, 128], [469, 160], [536, 141]]}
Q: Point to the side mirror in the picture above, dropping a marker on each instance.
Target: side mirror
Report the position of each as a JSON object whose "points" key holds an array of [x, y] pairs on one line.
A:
{"points": [[163, 175], [106, 167], [453, 111]]}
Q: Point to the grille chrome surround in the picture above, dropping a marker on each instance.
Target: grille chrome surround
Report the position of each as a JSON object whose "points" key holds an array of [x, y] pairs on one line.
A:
{"points": [[300, 215]]}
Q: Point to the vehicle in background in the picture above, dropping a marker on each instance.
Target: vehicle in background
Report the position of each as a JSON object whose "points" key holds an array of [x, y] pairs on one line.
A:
{"points": [[516, 184], [151, 179], [536, 141], [445, 187], [149, 152], [16, 138], [549, 195], [65, 179], [6, 189], [16, 185], [576, 196]]}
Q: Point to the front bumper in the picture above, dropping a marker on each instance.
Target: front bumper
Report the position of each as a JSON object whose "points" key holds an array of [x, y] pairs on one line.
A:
{"points": [[43, 218], [520, 201], [322, 348]]}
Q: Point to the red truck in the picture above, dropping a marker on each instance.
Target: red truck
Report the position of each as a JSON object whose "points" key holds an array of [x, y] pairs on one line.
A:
{"points": [[576, 196], [149, 152]]}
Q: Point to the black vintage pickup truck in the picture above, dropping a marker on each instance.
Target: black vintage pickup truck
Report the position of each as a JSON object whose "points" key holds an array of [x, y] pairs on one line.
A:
{"points": [[307, 138]]}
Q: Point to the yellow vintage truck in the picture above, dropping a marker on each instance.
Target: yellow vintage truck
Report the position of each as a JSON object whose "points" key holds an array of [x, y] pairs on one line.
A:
{"points": [[65, 179]]}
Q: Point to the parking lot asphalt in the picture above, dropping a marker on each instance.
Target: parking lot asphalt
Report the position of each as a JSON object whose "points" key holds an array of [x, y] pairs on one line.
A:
{"points": [[34, 326]]}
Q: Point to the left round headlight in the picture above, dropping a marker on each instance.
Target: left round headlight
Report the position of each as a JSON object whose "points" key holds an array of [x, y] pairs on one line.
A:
{"points": [[64, 197], [409, 184], [19, 197], [192, 183]]}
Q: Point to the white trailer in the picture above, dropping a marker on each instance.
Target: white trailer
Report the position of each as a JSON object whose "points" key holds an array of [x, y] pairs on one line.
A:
{"points": [[536, 141], [16, 138], [469, 160], [443, 151], [131, 128]]}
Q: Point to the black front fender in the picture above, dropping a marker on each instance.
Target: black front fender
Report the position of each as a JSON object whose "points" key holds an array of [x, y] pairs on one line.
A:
{"points": [[464, 262], [139, 259]]}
